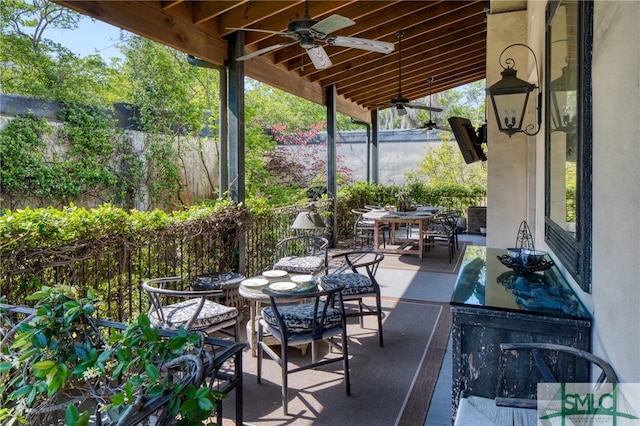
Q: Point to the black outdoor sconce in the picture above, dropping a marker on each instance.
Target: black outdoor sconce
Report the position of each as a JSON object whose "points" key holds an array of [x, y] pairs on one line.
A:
{"points": [[509, 97]]}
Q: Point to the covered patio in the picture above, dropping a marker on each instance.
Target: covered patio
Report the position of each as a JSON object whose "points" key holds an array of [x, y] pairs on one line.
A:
{"points": [[599, 255]]}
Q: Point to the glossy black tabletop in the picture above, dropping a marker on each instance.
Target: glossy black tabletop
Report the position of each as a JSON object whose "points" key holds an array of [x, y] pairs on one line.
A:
{"points": [[485, 282]]}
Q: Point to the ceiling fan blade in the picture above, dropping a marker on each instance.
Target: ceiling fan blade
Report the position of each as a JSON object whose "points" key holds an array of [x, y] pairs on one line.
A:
{"points": [[424, 107], [331, 24], [256, 30], [265, 50], [361, 43], [319, 57]]}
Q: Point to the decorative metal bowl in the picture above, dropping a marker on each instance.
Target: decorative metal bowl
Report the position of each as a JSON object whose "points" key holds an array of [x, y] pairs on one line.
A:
{"points": [[525, 257], [541, 265]]}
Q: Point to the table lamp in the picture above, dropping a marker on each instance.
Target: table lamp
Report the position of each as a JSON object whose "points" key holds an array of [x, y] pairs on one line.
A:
{"points": [[308, 220]]}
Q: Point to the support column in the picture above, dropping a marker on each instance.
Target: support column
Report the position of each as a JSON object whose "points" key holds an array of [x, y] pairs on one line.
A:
{"points": [[331, 158], [236, 118], [223, 160], [375, 154], [236, 132]]}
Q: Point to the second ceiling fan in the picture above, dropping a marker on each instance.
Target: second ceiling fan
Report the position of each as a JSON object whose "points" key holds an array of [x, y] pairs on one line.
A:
{"points": [[430, 125], [309, 33], [401, 103]]}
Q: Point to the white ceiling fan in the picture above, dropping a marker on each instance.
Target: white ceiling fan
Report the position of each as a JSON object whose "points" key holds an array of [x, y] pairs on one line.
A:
{"points": [[309, 33], [401, 103]]}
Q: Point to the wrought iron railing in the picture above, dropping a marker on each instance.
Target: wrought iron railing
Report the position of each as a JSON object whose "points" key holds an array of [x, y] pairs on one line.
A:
{"points": [[114, 266]]}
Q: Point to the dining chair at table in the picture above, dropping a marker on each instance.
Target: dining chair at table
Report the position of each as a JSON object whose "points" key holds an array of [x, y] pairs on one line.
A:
{"points": [[322, 317], [439, 232], [302, 254], [171, 308], [364, 229], [451, 217], [360, 282]]}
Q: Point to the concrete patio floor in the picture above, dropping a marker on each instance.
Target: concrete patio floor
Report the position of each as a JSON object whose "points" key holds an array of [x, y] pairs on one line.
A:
{"points": [[434, 287]]}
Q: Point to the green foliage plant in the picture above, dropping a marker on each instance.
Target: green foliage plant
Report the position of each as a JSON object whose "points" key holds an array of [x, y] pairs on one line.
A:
{"points": [[84, 162], [444, 166], [58, 359]]}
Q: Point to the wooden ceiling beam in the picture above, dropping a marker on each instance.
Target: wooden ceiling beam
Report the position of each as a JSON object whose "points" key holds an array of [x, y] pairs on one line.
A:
{"points": [[280, 21], [460, 77], [203, 11], [437, 32], [370, 26], [448, 32], [434, 69], [416, 87], [148, 20], [250, 14], [164, 5], [431, 50]]}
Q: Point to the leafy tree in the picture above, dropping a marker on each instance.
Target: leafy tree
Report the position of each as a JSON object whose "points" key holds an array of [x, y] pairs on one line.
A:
{"points": [[170, 107], [271, 106], [445, 166], [32, 65]]}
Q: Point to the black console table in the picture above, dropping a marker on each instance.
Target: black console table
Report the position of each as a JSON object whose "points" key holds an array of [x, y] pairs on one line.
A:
{"points": [[492, 304]]}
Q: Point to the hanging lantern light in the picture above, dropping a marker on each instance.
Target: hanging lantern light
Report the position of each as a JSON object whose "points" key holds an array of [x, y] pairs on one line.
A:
{"points": [[509, 98]]}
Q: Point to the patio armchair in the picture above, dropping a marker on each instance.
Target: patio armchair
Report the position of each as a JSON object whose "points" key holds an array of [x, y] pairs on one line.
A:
{"points": [[321, 318], [302, 254], [191, 309], [509, 408], [359, 283]]}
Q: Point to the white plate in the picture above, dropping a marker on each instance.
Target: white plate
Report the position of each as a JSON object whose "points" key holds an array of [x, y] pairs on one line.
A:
{"points": [[283, 286], [274, 273], [302, 278], [255, 282]]}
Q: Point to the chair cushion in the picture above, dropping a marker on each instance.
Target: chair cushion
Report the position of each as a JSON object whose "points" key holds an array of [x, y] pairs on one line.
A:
{"points": [[300, 264], [480, 411], [299, 318], [437, 228], [353, 283], [180, 313]]}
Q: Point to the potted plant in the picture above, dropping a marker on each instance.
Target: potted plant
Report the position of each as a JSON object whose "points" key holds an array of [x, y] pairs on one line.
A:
{"points": [[59, 365]]}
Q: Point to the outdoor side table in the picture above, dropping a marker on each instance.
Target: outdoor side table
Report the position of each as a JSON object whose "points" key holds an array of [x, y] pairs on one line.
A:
{"points": [[492, 304], [228, 282]]}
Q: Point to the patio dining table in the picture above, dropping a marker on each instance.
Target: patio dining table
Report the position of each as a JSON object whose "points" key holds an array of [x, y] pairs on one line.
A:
{"points": [[251, 289], [406, 245]]}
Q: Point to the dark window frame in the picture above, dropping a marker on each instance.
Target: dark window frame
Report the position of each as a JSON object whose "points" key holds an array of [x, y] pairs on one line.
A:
{"points": [[574, 251]]}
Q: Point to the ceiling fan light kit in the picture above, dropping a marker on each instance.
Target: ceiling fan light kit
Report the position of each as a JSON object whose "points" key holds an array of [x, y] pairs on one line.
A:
{"points": [[309, 33]]}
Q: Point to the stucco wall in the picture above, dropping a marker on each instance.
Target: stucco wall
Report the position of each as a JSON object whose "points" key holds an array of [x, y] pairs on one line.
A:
{"points": [[616, 185], [509, 166]]}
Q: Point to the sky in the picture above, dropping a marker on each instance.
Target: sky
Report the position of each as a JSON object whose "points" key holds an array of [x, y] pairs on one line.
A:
{"points": [[91, 36]]}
